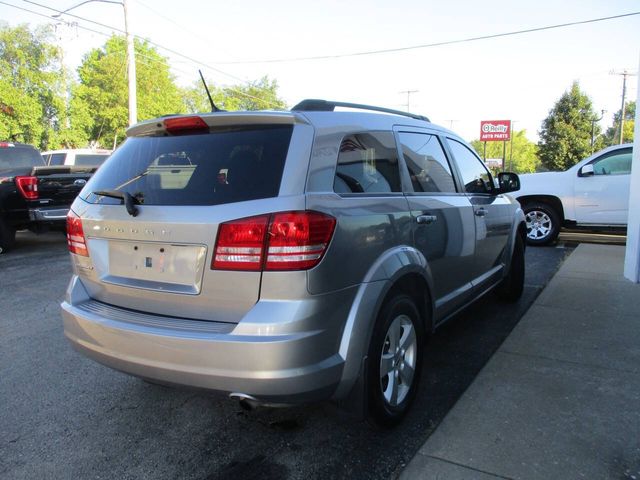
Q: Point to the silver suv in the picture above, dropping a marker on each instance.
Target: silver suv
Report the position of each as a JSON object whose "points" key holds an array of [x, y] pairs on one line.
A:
{"points": [[287, 257]]}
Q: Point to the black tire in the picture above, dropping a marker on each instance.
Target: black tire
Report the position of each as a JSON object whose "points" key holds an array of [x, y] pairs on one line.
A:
{"points": [[7, 237], [511, 287], [400, 361], [543, 223]]}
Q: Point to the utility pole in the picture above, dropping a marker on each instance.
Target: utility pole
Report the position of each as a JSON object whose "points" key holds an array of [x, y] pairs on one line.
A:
{"points": [[409, 92], [624, 74], [511, 146]]}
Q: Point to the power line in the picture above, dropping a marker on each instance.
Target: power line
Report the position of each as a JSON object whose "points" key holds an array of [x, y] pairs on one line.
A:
{"points": [[430, 45], [172, 21], [197, 62], [115, 29]]}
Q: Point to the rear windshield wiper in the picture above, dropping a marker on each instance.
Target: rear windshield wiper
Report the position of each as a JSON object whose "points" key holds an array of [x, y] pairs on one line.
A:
{"points": [[128, 200]]}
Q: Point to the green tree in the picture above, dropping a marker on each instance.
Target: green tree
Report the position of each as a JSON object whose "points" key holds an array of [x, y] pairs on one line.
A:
{"points": [[523, 158], [260, 94], [612, 135], [32, 86], [565, 137], [100, 101]]}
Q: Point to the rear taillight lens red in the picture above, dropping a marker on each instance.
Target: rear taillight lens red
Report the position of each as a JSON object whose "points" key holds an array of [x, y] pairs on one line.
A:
{"points": [[280, 241], [28, 187], [240, 244], [298, 240], [75, 235]]}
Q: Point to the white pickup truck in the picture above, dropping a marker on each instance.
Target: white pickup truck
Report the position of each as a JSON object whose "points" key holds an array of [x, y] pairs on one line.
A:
{"points": [[593, 194]]}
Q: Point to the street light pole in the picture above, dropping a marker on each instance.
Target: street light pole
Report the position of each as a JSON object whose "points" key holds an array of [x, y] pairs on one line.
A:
{"points": [[593, 127], [131, 69], [131, 59]]}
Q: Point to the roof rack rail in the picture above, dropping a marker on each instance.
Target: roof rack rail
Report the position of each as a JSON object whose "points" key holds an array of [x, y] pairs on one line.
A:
{"points": [[315, 105]]}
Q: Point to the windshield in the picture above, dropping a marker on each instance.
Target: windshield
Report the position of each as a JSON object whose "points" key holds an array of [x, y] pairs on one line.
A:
{"points": [[223, 166], [19, 157]]}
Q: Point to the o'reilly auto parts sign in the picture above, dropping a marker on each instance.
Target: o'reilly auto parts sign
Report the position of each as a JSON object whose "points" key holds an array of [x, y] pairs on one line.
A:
{"points": [[495, 130]]}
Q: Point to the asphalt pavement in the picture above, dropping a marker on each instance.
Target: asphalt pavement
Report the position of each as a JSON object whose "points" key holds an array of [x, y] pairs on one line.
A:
{"points": [[64, 416]]}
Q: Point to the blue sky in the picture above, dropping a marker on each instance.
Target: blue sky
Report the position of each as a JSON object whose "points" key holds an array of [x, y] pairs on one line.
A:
{"points": [[516, 77]]}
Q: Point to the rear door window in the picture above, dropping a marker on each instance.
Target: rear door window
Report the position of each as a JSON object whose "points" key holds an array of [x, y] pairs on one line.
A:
{"points": [[367, 163], [223, 166]]}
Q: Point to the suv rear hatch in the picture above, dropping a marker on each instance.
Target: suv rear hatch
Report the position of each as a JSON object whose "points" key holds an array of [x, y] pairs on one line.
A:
{"points": [[150, 214]]}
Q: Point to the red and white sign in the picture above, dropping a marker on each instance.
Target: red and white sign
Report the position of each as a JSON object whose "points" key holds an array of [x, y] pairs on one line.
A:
{"points": [[495, 130]]}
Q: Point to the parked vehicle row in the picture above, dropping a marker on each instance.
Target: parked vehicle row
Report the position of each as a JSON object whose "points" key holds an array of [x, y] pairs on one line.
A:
{"points": [[287, 257], [33, 195], [84, 157]]}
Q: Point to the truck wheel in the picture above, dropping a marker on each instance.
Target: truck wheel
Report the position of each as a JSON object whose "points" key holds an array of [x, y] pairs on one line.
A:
{"points": [[543, 223], [7, 237], [395, 361], [511, 287]]}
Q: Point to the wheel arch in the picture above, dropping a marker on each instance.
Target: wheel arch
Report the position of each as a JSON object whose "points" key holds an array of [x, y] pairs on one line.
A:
{"points": [[550, 200], [403, 269]]}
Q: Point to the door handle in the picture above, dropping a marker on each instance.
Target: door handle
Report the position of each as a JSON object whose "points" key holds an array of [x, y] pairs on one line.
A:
{"points": [[481, 212], [426, 219]]}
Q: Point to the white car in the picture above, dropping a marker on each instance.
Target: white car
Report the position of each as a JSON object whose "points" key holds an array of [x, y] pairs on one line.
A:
{"points": [[593, 194], [83, 157]]}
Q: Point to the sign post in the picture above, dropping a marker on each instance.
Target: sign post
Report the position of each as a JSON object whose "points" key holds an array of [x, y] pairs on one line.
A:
{"points": [[495, 131]]}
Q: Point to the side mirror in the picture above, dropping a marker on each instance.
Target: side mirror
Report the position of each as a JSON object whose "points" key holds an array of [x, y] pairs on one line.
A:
{"points": [[509, 182], [587, 171]]}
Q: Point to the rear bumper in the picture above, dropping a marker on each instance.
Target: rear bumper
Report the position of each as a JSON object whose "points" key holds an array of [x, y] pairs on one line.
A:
{"points": [[285, 368], [48, 214]]}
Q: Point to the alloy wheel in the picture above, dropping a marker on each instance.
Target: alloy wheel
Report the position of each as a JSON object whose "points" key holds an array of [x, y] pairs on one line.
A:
{"points": [[539, 224], [398, 360]]}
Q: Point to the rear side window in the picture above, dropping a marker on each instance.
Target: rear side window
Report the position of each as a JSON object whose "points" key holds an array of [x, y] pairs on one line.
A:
{"points": [[367, 163], [223, 166], [90, 160], [56, 158], [427, 163], [19, 157]]}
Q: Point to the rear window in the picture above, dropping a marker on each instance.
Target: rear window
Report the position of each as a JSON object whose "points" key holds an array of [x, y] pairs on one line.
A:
{"points": [[19, 157], [90, 160], [223, 166]]}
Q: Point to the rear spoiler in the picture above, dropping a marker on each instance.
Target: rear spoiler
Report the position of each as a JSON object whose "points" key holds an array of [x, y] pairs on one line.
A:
{"points": [[219, 119]]}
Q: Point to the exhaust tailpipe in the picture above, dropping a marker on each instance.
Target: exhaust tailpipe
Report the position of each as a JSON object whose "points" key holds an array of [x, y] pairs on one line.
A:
{"points": [[247, 402]]}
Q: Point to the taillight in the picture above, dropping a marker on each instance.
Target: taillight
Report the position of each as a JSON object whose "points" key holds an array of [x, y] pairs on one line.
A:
{"points": [[28, 187], [75, 235], [185, 125], [240, 244], [298, 240], [280, 241]]}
